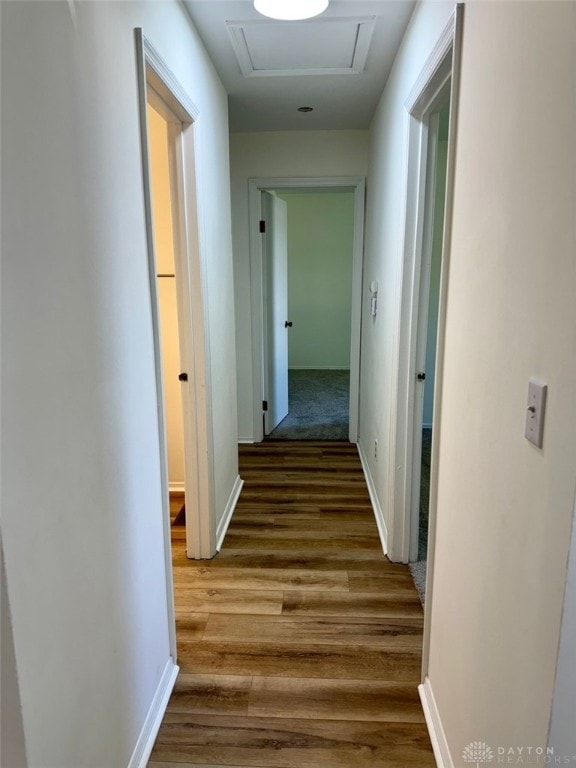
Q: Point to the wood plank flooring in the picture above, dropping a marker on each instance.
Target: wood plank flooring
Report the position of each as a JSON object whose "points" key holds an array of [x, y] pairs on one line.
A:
{"points": [[299, 643]]}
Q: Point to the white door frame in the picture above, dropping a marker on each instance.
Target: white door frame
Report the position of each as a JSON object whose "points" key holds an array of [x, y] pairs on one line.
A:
{"points": [[421, 299], [158, 86], [255, 187], [429, 90], [442, 70]]}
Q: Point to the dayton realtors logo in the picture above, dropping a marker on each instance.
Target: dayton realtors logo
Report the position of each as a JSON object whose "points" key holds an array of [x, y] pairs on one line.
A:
{"points": [[477, 752]]}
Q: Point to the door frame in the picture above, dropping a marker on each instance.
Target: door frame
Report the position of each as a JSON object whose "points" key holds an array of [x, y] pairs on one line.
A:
{"points": [[255, 186], [158, 85], [442, 66], [430, 87], [421, 307]]}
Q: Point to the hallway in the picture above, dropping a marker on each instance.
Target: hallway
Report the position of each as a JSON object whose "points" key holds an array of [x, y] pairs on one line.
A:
{"points": [[299, 644]]}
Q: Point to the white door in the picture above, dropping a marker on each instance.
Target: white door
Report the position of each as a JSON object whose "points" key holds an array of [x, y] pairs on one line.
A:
{"points": [[275, 257]]}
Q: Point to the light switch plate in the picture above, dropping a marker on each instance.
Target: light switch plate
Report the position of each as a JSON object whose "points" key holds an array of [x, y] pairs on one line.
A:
{"points": [[535, 411]]}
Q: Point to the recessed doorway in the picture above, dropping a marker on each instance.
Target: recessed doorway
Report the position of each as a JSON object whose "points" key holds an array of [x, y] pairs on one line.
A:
{"points": [[308, 264], [307, 261], [163, 205]]}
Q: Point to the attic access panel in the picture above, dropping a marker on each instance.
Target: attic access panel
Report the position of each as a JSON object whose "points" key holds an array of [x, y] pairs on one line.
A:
{"points": [[337, 46]]}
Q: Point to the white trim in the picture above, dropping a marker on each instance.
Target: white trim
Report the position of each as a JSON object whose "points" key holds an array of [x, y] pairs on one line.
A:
{"points": [[356, 184], [245, 441], [378, 512], [228, 512], [153, 720], [158, 83], [446, 255], [356, 310], [421, 273], [434, 724], [430, 69], [146, 177], [197, 393], [428, 91], [166, 79], [176, 488]]}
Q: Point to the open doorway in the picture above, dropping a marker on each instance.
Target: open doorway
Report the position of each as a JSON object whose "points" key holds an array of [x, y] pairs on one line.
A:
{"points": [[177, 308], [431, 130], [430, 136], [307, 268], [170, 314], [308, 265], [426, 343]]}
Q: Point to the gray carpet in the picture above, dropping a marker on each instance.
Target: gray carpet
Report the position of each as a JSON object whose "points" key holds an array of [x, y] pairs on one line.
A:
{"points": [[318, 406], [424, 493], [418, 569]]}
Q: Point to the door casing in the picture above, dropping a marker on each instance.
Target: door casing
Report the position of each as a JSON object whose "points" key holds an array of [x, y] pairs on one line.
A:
{"points": [[439, 76], [255, 187], [422, 297], [157, 85]]}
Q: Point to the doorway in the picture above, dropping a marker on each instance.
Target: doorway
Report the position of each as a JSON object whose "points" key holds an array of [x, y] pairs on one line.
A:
{"points": [[308, 310], [308, 250], [427, 333], [430, 134], [427, 336], [170, 314], [177, 305]]}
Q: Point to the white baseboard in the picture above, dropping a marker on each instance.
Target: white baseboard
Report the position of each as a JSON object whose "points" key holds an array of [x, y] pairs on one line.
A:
{"points": [[378, 513], [151, 726], [228, 512], [176, 487], [434, 723], [246, 441]]}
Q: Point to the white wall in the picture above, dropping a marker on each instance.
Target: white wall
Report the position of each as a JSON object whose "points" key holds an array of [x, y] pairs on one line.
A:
{"points": [[281, 155], [81, 497], [384, 245], [320, 245], [162, 205], [504, 506]]}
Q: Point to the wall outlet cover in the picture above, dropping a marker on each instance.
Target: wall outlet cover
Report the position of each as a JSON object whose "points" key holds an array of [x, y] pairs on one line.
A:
{"points": [[537, 391]]}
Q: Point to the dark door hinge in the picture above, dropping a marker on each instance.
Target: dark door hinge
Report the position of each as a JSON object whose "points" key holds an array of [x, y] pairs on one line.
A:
{"points": [[262, 227], [264, 405]]}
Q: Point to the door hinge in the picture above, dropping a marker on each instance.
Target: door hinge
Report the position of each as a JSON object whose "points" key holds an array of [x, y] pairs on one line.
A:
{"points": [[264, 405], [262, 227]]}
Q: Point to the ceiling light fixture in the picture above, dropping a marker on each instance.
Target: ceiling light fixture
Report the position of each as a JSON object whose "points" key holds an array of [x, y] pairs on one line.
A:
{"points": [[290, 10]]}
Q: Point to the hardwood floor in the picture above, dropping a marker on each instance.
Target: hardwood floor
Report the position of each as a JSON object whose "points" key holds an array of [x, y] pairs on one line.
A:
{"points": [[299, 643]]}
